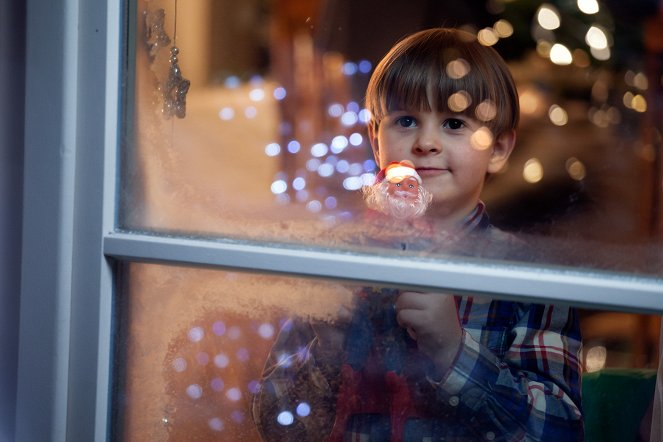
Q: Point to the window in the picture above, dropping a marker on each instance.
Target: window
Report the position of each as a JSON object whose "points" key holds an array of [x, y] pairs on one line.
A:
{"points": [[110, 198]]}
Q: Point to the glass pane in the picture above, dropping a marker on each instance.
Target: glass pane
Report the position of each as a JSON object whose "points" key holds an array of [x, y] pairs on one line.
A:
{"points": [[207, 355], [272, 143]]}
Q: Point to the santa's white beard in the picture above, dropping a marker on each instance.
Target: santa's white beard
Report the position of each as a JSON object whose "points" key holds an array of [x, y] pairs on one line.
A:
{"points": [[378, 198]]}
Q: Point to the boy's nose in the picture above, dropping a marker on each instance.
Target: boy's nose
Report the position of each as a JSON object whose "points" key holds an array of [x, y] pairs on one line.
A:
{"points": [[427, 143]]}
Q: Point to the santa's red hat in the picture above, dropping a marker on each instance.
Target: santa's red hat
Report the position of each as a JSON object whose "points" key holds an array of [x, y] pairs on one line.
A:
{"points": [[396, 171]]}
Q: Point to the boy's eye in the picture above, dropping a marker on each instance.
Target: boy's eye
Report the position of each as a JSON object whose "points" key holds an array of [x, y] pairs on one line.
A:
{"points": [[453, 123], [406, 121]]}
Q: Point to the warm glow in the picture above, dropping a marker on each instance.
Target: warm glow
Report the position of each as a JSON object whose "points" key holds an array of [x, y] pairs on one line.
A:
{"points": [[533, 171], [459, 101], [485, 111], [596, 38], [558, 115], [588, 6], [560, 54], [601, 54], [458, 68], [482, 139], [576, 169], [548, 17], [503, 28], [639, 103], [580, 58], [596, 358], [530, 103], [487, 37], [543, 48]]}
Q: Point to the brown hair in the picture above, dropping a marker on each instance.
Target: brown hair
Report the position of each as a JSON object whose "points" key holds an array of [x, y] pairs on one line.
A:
{"points": [[428, 67]]}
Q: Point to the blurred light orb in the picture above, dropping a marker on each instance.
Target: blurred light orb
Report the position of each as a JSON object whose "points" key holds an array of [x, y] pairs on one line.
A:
{"points": [[349, 118], [459, 101], [482, 138], [596, 38], [179, 365], [589, 7], [285, 418], [279, 186], [279, 93], [232, 82], [457, 68], [215, 424], [352, 183], [576, 169], [314, 206], [299, 183], [221, 360], [250, 112], [339, 143], [596, 358], [257, 94], [234, 394], [196, 334], [319, 150], [530, 102], [533, 171], [226, 113], [350, 68], [294, 146], [487, 37], [272, 149], [303, 409], [312, 164], [365, 66], [353, 106], [560, 55], [335, 110], [194, 391], [486, 110], [356, 139], [364, 116], [326, 170], [548, 17], [558, 115], [503, 28], [639, 103], [601, 54]]}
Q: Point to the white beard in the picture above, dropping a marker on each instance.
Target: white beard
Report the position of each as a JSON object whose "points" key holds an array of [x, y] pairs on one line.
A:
{"points": [[377, 198]]}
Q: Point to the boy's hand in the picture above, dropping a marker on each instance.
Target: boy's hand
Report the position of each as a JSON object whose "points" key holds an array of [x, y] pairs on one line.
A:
{"points": [[432, 320]]}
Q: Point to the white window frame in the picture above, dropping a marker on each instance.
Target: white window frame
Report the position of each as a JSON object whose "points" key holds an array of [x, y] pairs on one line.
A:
{"points": [[71, 248]]}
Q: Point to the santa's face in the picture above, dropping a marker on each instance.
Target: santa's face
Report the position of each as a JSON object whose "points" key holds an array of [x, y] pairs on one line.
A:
{"points": [[406, 188]]}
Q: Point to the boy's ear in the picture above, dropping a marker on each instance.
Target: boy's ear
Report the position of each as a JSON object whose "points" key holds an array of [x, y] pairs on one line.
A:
{"points": [[501, 151], [373, 138]]}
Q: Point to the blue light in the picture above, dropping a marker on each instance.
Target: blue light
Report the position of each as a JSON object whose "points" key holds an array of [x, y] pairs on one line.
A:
{"points": [[298, 183], [294, 146], [279, 186], [350, 68], [369, 165], [272, 149], [365, 66], [280, 93], [319, 150], [285, 418], [303, 409]]}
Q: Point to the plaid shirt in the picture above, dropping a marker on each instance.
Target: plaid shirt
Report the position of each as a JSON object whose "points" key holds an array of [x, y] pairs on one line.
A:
{"points": [[515, 377]]}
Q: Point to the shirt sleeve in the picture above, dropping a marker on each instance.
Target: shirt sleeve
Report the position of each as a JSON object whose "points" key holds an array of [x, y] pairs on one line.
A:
{"points": [[296, 399], [532, 392]]}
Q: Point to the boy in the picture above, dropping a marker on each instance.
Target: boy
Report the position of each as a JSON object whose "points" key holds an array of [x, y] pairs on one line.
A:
{"points": [[409, 366]]}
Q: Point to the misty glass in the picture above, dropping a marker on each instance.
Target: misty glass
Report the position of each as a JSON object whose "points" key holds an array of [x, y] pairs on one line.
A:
{"points": [[273, 147]]}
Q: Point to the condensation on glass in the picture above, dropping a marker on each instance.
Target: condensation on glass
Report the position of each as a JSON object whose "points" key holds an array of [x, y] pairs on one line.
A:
{"points": [[273, 144], [193, 346]]}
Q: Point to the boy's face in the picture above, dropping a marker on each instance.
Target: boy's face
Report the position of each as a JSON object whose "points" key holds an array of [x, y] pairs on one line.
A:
{"points": [[451, 152]]}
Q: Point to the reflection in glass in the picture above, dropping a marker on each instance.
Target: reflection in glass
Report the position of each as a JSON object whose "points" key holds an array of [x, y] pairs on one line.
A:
{"points": [[193, 346], [274, 143]]}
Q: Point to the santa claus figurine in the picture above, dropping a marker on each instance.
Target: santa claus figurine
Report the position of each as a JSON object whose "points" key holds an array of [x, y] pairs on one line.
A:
{"points": [[398, 192]]}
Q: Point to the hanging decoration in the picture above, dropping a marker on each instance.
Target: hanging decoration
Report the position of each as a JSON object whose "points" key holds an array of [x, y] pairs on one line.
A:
{"points": [[174, 87]]}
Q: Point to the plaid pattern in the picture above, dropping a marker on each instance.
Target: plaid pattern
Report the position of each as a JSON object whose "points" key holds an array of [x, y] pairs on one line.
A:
{"points": [[516, 377]]}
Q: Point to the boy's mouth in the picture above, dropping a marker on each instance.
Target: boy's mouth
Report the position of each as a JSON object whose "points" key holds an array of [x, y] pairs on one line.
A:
{"points": [[430, 171]]}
